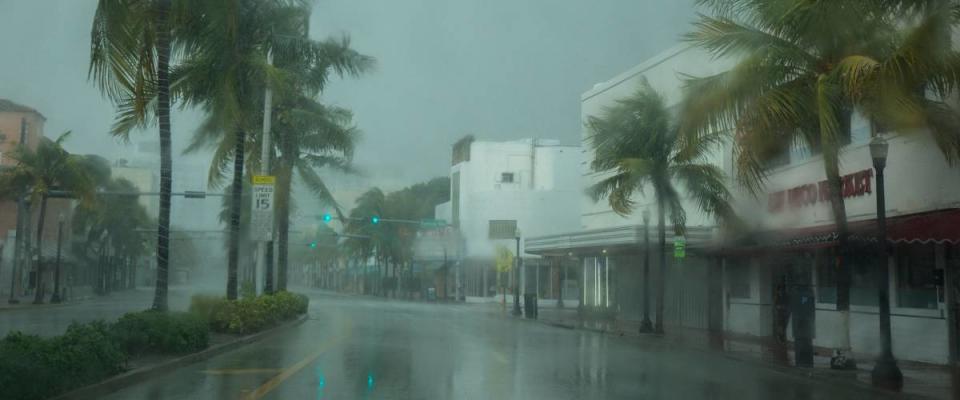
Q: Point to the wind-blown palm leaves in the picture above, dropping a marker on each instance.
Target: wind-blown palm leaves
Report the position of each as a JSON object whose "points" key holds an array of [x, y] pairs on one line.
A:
{"points": [[227, 73], [802, 69], [636, 146], [39, 171], [130, 54]]}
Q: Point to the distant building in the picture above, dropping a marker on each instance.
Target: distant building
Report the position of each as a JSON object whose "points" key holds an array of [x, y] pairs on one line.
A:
{"points": [[144, 179], [20, 124], [498, 190]]}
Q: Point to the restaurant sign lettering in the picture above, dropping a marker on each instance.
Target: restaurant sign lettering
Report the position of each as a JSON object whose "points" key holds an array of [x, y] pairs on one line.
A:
{"points": [[852, 185]]}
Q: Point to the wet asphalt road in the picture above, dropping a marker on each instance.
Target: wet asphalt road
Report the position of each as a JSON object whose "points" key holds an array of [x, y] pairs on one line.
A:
{"points": [[361, 348]]}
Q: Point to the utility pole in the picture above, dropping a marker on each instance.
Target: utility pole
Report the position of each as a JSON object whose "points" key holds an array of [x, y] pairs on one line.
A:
{"points": [[264, 255]]}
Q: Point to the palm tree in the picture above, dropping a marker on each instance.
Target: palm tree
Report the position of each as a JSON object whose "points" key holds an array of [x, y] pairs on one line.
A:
{"points": [[310, 136], [227, 69], [130, 50], [803, 68], [38, 172], [636, 145], [369, 239]]}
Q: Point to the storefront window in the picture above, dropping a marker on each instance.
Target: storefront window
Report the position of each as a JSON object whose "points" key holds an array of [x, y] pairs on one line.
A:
{"points": [[826, 276], [916, 265], [738, 279], [863, 287]]}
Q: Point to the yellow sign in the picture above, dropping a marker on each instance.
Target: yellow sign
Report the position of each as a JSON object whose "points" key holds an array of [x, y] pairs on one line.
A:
{"points": [[264, 179]]}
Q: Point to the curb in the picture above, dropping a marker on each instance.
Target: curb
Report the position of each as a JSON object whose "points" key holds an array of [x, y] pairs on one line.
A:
{"points": [[141, 374]]}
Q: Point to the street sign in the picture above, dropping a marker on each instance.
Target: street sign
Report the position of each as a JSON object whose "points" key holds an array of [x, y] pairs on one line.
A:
{"points": [[433, 223], [261, 216], [679, 247]]}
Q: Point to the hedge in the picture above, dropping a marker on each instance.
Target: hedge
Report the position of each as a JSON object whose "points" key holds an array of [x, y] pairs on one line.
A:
{"points": [[32, 367], [248, 315], [161, 333]]}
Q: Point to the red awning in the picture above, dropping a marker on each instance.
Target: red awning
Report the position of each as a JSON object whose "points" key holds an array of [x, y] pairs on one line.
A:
{"points": [[941, 226]]}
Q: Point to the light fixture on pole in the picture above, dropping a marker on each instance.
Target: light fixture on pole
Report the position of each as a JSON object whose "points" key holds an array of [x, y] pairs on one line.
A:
{"points": [[885, 372], [56, 275], [516, 282], [646, 326]]}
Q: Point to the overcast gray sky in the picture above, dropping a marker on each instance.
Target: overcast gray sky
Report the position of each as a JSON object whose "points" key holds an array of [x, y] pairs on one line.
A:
{"points": [[500, 69]]}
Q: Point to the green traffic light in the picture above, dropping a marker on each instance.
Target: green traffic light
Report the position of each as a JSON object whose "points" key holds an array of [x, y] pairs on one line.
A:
{"points": [[313, 245], [375, 220], [327, 217]]}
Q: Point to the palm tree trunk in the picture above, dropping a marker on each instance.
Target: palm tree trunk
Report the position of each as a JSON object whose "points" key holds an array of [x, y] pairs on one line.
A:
{"points": [[38, 295], [661, 281], [283, 224], [842, 358], [844, 275], [166, 163], [235, 203]]}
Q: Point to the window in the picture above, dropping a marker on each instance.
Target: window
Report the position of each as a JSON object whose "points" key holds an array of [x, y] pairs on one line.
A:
{"points": [[503, 229], [916, 268], [826, 276], [506, 177], [738, 279], [863, 284]]}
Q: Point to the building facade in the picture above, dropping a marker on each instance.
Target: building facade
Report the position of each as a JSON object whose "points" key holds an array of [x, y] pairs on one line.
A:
{"points": [[498, 190], [735, 283]]}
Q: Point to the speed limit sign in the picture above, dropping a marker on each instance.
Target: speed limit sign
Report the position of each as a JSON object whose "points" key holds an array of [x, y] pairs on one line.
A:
{"points": [[261, 217]]}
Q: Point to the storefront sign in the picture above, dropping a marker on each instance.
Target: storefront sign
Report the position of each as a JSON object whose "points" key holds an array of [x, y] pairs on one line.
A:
{"points": [[852, 185]]}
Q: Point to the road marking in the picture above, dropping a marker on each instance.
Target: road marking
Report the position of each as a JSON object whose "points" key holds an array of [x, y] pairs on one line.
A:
{"points": [[240, 371], [268, 386]]}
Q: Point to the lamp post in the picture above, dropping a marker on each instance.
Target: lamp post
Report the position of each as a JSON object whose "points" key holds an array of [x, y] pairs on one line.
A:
{"points": [[56, 275], [885, 372], [646, 326], [516, 282]]}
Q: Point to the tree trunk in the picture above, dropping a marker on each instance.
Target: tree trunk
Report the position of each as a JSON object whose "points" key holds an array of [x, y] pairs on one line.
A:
{"points": [[38, 291], [844, 275], [235, 203], [283, 223], [166, 163], [662, 279], [842, 358]]}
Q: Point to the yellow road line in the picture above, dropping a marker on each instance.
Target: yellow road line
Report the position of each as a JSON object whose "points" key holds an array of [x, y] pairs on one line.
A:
{"points": [[268, 386], [240, 371]]}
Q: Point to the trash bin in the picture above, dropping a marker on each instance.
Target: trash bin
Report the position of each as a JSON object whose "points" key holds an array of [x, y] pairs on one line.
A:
{"points": [[530, 306]]}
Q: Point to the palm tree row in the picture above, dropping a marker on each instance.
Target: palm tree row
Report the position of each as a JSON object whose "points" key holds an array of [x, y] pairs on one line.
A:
{"points": [[802, 69], [221, 49]]}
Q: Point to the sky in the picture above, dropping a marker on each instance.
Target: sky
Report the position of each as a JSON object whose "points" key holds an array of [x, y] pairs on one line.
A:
{"points": [[497, 69]]}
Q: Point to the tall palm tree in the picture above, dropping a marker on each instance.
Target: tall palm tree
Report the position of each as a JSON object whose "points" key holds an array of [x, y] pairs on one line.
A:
{"points": [[227, 71], [636, 145], [310, 136], [130, 50], [37, 172], [802, 69]]}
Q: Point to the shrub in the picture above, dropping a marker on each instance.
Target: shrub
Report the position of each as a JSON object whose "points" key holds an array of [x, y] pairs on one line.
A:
{"points": [[32, 367], [161, 332], [248, 315]]}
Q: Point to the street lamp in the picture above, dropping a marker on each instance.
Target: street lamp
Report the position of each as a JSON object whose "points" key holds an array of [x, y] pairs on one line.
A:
{"points": [[516, 281], [885, 372], [56, 275], [646, 326]]}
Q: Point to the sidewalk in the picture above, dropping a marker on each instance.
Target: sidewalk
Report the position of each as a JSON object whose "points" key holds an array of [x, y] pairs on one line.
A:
{"points": [[79, 294], [920, 379]]}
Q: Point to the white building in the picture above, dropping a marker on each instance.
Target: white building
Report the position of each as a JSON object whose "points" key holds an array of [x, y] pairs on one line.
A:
{"points": [[499, 188], [792, 239]]}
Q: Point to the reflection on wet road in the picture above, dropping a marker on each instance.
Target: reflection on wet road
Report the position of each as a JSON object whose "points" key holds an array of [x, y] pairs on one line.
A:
{"points": [[358, 348]]}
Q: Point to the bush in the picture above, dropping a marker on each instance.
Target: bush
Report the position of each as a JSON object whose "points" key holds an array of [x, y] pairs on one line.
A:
{"points": [[32, 367], [248, 315], [161, 332]]}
